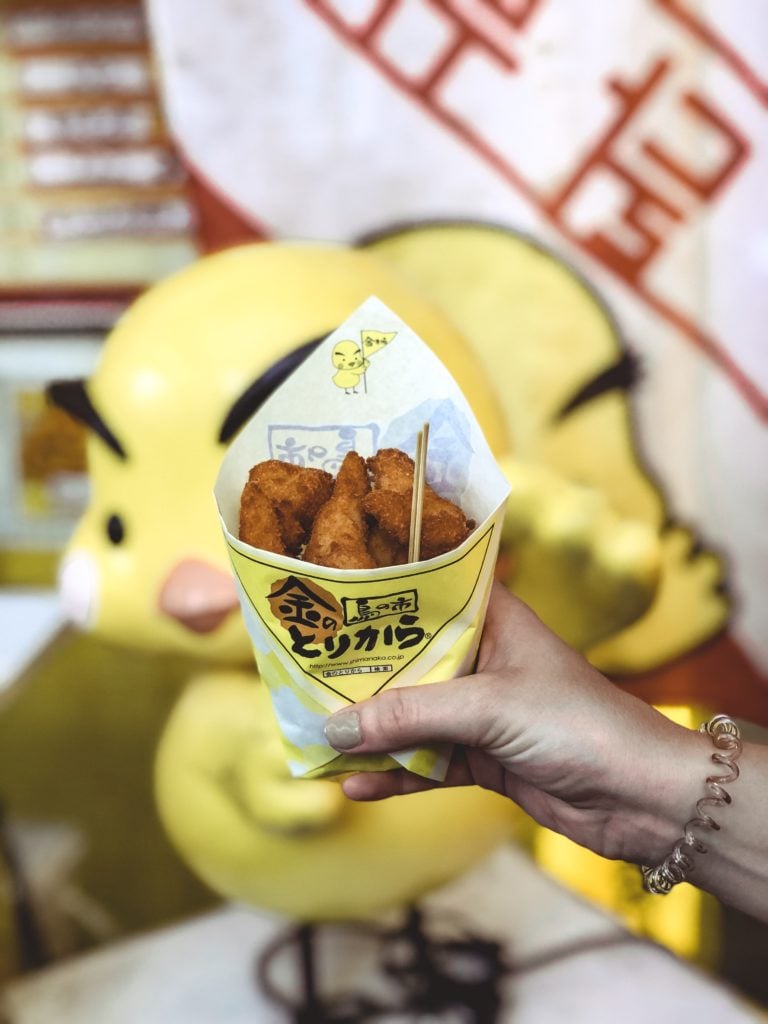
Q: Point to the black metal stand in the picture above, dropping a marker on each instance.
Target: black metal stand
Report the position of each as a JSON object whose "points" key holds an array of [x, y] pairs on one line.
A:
{"points": [[310, 1011], [448, 974], [425, 974]]}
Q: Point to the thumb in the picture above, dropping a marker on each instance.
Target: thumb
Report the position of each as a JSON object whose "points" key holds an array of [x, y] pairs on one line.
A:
{"points": [[461, 711]]}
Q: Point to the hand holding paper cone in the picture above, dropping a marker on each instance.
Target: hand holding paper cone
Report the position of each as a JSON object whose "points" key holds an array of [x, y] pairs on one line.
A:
{"points": [[333, 611]]}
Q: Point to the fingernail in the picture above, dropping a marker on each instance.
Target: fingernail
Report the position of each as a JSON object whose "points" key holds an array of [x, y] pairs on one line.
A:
{"points": [[343, 730]]}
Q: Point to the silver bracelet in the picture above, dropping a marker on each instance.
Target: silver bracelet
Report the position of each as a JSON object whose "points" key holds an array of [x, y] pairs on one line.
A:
{"points": [[677, 866]]}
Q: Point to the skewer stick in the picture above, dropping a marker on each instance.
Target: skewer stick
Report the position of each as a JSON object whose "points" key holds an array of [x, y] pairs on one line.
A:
{"points": [[414, 499], [417, 499]]}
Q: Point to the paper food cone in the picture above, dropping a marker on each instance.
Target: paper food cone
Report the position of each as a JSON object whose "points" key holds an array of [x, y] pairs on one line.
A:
{"points": [[326, 638]]}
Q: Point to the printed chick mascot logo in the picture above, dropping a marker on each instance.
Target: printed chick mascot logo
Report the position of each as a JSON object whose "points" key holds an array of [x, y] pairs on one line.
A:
{"points": [[183, 369], [562, 375], [351, 361], [350, 364]]}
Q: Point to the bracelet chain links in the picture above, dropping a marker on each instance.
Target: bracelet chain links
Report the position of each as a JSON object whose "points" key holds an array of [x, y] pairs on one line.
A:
{"points": [[679, 863]]}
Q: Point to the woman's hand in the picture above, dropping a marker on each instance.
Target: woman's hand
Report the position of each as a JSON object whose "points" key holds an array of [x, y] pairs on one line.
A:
{"points": [[538, 724]]}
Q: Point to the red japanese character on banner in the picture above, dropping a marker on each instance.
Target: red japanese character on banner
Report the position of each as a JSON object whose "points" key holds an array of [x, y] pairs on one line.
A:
{"points": [[689, 16], [653, 188], [457, 28]]}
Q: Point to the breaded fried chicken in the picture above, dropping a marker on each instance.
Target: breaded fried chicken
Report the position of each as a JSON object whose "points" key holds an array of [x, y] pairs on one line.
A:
{"points": [[444, 525], [259, 524], [296, 494], [339, 536], [345, 524], [391, 470], [384, 549], [352, 478]]}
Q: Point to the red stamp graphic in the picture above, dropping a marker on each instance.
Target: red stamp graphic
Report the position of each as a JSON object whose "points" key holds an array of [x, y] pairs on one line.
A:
{"points": [[656, 190], [686, 14]]}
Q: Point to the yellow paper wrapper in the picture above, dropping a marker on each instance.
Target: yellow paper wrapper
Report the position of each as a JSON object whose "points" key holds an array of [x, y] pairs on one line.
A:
{"points": [[326, 638]]}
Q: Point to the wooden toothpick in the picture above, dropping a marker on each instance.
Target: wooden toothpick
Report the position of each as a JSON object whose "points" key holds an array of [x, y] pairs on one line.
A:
{"points": [[417, 499]]}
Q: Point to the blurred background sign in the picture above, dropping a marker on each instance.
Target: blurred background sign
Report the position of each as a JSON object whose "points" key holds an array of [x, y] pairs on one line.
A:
{"points": [[43, 483], [91, 191], [94, 205]]}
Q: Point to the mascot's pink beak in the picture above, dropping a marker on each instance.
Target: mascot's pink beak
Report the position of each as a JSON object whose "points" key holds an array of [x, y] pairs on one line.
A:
{"points": [[197, 595]]}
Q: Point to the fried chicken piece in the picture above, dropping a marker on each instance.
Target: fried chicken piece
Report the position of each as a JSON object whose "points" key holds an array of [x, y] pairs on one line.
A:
{"points": [[444, 526], [259, 524], [391, 512], [352, 478], [340, 533], [392, 470], [384, 549], [296, 494]]}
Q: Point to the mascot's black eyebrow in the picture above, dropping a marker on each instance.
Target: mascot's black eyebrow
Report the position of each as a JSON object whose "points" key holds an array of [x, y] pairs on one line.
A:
{"points": [[256, 394], [72, 397], [623, 375]]}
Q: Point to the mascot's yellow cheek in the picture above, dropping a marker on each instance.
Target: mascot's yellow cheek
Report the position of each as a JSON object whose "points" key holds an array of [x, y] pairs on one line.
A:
{"points": [[126, 573]]}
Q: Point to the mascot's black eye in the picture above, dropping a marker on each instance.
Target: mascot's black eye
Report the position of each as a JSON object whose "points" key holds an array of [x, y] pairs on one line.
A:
{"points": [[115, 529]]}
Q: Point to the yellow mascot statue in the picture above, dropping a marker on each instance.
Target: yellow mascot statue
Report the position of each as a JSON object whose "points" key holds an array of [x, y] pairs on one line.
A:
{"points": [[181, 372]]}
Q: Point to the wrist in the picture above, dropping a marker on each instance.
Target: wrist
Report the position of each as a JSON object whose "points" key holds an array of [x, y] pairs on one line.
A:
{"points": [[663, 777], [699, 814]]}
